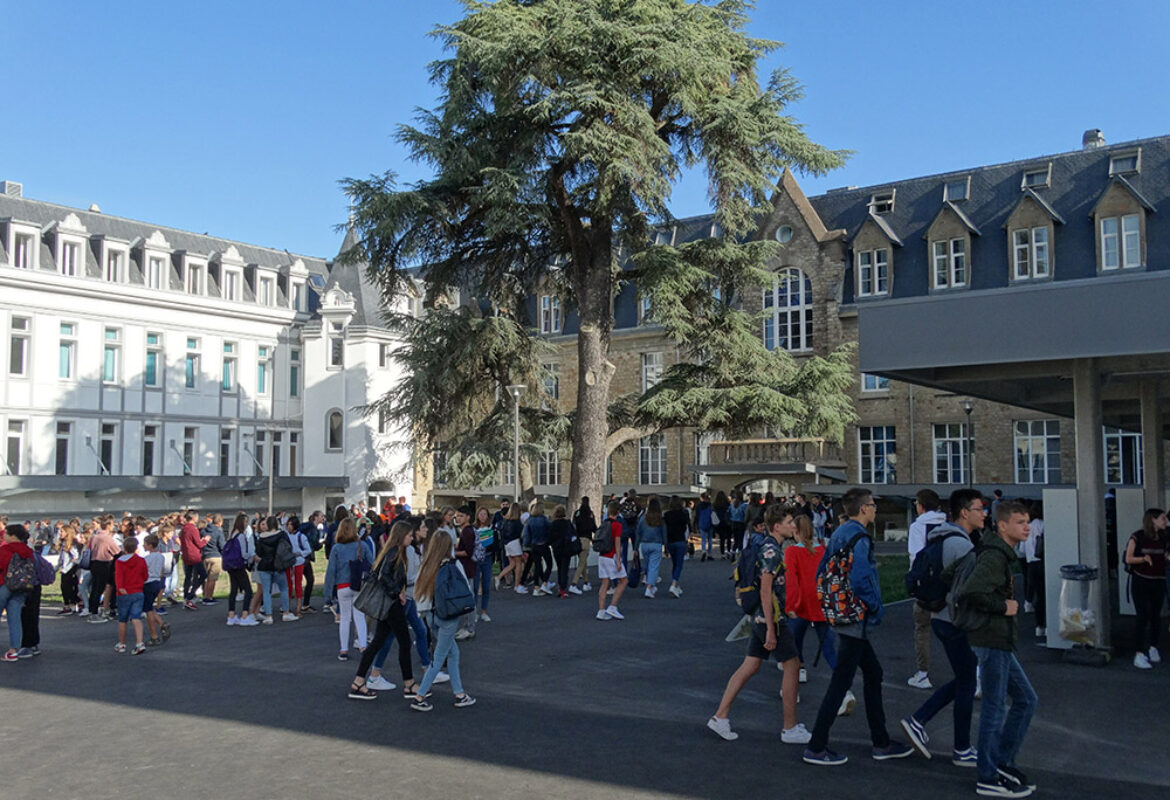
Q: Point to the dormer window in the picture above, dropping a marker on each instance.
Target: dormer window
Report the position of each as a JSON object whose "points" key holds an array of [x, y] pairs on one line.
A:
{"points": [[194, 278], [882, 202], [67, 261], [231, 284], [873, 272], [664, 237], [958, 189], [950, 263], [550, 313], [299, 298], [154, 272], [1036, 178], [267, 291], [1121, 242], [22, 251], [1126, 163], [115, 269]]}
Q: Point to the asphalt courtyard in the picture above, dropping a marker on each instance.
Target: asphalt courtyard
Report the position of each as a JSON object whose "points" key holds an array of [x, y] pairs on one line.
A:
{"points": [[568, 707]]}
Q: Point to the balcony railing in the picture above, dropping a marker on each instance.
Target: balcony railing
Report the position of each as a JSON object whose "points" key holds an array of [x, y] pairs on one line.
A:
{"points": [[776, 451]]}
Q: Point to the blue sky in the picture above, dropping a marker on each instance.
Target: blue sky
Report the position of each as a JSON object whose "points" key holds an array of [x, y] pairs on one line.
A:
{"points": [[238, 118]]}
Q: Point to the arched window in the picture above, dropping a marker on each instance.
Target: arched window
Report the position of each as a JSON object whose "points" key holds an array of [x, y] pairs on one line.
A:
{"points": [[334, 430], [788, 321]]}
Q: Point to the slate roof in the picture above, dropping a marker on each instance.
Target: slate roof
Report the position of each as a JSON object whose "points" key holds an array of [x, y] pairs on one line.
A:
{"points": [[352, 278]]}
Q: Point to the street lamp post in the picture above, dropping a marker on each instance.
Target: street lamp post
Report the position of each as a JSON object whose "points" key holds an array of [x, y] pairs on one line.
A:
{"points": [[516, 390], [968, 407]]}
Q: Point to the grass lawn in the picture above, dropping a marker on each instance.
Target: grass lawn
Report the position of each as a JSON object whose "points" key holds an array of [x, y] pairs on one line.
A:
{"points": [[892, 573]]}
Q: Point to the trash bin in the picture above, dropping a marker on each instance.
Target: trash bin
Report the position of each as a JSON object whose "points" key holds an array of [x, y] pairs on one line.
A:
{"points": [[1078, 599]]}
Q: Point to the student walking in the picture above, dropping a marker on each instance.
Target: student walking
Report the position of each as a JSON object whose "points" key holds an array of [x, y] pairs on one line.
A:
{"points": [[989, 590], [609, 564], [130, 574], [586, 524], [677, 521], [1145, 561], [650, 538], [855, 649], [930, 516], [389, 569], [346, 550], [511, 533], [426, 591], [12, 600], [239, 553], [69, 558]]}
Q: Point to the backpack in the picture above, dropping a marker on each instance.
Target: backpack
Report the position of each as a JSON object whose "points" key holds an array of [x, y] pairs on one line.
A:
{"points": [[46, 572], [925, 581], [839, 602], [453, 597], [284, 557], [603, 539], [747, 577], [21, 575], [359, 570], [233, 553], [86, 557], [716, 520], [963, 616]]}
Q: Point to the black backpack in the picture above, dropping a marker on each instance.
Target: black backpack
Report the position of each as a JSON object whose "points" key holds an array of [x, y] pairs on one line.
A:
{"points": [[925, 581], [603, 539], [747, 577]]}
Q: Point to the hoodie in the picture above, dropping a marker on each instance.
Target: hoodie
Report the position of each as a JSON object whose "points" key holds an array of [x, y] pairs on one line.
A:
{"points": [[920, 529], [215, 541], [954, 549], [7, 551]]}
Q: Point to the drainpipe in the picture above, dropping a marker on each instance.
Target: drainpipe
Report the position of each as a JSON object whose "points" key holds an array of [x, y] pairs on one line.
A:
{"points": [[912, 459]]}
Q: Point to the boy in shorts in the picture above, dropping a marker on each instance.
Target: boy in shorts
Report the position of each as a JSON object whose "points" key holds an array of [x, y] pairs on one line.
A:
{"points": [[130, 575], [770, 637], [150, 590], [610, 567]]}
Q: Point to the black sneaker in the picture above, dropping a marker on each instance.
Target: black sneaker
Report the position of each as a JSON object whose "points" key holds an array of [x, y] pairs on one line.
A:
{"points": [[1002, 787], [1013, 774]]}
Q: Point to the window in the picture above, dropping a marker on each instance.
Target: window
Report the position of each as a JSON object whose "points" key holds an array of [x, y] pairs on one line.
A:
{"points": [[151, 374], [788, 320], [277, 436], [1125, 163], [14, 448], [651, 370], [191, 364], [1037, 444], [228, 383], [507, 473], [225, 452], [107, 449], [873, 272], [1030, 253], [334, 429], [336, 345], [950, 263], [550, 314], [1036, 178], [609, 468], [231, 285], [383, 420], [112, 356], [1123, 457], [552, 381], [294, 373], [298, 297], [194, 279], [294, 441], [149, 439], [189, 436], [18, 347], [115, 260], [261, 464], [957, 189], [548, 468], [1121, 244], [67, 351], [263, 369], [267, 293], [784, 234], [154, 273], [652, 460], [22, 256], [644, 309], [882, 202], [950, 453], [875, 446], [874, 383], [702, 455], [68, 263], [383, 355], [61, 456]]}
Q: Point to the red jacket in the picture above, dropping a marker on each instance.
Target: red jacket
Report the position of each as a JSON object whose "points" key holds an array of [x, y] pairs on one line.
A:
{"points": [[129, 574], [7, 551], [191, 543], [800, 596]]}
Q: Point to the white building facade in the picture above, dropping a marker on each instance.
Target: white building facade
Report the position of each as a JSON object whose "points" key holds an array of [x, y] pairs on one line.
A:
{"points": [[147, 368]]}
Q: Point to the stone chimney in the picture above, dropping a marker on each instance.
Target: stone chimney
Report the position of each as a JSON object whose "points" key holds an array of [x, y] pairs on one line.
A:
{"points": [[1092, 139]]}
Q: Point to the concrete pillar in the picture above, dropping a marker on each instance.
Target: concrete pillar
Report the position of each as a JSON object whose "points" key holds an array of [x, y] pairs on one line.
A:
{"points": [[1091, 485], [1152, 445]]}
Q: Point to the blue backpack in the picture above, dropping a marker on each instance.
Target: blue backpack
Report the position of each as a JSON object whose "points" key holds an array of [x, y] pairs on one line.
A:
{"points": [[453, 597]]}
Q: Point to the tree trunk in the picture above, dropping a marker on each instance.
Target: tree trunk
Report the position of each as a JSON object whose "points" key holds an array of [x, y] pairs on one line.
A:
{"points": [[594, 374]]}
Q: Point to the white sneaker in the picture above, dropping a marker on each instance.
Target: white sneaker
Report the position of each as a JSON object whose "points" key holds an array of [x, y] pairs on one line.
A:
{"points": [[602, 615], [610, 591], [551, 587], [522, 590], [266, 620], [1028, 607], [496, 583], [588, 587], [248, 622], [574, 589], [1141, 661], [723, 728], [1154, 656], [848, 703], [442, 677], [483, 617], [232, 621], [797, 735], [675, 590], [380, 683], [287, 617], [463, 635], [1041, 632], [539, 591], [649, 593], [920, 680], [803, 675], [614, 613]]}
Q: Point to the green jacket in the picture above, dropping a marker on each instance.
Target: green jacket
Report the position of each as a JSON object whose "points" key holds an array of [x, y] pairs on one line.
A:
{"points": [[988, 589]]}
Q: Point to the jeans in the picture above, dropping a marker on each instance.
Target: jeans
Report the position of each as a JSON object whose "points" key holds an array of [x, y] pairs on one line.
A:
{"points": [[960, 690], [446, 648], [854, 653], [1001, 731], [921, 639], [541, 559], [267, 581], [826, 639], [678, 556], [420, 639], [651, 559], [12, 603], [481, 586], [705, 540]]}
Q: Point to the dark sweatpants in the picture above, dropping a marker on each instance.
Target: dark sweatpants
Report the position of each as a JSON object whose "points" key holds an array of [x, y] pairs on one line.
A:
{"points": [[30, 619]]}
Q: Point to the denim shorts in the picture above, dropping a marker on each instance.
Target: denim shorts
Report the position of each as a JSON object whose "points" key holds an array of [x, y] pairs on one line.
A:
{"points": [[130, 606]]}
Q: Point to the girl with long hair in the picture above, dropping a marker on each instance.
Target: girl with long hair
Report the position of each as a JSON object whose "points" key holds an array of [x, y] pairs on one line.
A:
{"points": [[721, 510], [1145, 560], [801, 559], [346, 548], [390, 570], [512, 532], [481, 586], [677, 522], [70, 556], [535, 537], [238, 577], [436, 555], [586, 524], [650, 538]]}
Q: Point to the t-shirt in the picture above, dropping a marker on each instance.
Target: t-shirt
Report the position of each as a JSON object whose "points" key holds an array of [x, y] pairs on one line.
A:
{"points": [[154, 565], [771, 560], [615, 528], [1155, 548], [678, 521]]}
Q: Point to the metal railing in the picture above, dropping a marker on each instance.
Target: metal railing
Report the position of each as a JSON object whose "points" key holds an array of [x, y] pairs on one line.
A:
{"points": [[774, 451]]}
